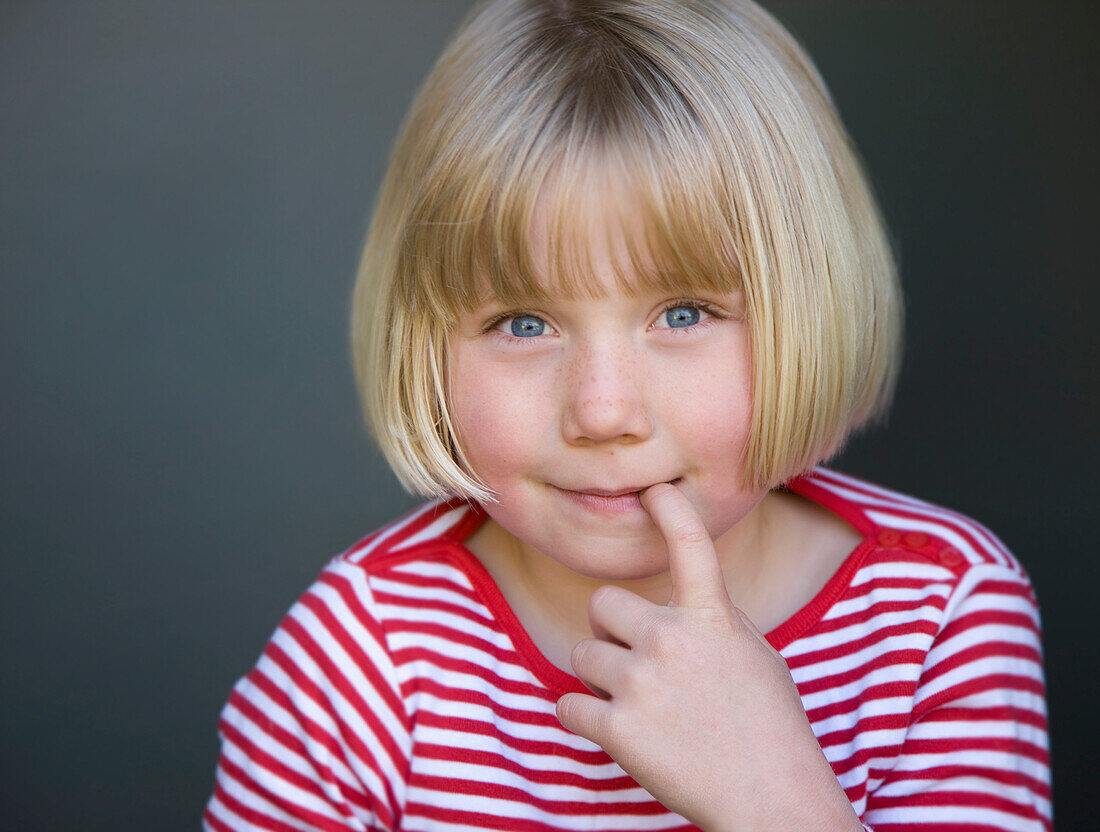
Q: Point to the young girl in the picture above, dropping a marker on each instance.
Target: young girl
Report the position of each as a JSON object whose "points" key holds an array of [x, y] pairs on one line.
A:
{"points": [[625, 286]]}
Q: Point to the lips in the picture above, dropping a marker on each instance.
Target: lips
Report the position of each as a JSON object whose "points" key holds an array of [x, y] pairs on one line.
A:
{"points": [[608, 501], [615, 492], [601, 492]]}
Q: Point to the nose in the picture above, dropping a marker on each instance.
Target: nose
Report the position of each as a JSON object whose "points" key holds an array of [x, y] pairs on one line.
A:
{"points": [[605, 398]]}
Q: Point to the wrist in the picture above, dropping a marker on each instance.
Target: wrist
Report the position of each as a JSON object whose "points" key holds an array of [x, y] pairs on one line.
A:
{"points": [[806, 797]]}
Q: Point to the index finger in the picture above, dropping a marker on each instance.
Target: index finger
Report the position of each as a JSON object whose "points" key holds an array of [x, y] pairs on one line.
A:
{"points": [[697, 579]]}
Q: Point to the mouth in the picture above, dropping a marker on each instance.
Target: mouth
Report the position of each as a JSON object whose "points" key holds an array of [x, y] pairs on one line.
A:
{"points": [[616, 492], [610, 500]]}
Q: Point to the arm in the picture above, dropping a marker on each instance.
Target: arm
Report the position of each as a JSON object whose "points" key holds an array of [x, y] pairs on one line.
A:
{"points": [[316, 736], [975, 755]]}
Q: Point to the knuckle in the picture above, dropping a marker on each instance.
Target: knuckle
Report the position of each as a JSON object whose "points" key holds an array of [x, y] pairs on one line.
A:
{"points": [[601, 600], [571, 710], [609, 725], [690, 534], [578, 657], [566, 710], [669, 644], [722, 619], [574, 711], [615, 726], [651, 627], [634, 680]]}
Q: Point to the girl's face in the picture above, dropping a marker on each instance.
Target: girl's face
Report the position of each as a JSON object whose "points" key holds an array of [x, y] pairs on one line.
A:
{"points": [[567, 409]]}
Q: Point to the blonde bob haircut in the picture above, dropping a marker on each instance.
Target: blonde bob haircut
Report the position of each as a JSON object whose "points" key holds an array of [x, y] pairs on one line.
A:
{"points": [[732, 171]]}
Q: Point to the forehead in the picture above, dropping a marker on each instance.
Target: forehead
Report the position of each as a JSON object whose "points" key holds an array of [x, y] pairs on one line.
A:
{"points": [[591, 229]]}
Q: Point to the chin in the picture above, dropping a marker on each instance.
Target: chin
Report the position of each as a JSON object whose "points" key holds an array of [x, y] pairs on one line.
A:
{"points": [[615, 562]]}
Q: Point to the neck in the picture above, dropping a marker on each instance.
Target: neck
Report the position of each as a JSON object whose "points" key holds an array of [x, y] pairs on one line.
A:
{"points": [[551, 601]]}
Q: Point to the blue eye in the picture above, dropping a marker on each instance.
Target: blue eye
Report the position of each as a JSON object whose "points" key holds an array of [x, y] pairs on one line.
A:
{"points": [[527, 326], [681, 316]]}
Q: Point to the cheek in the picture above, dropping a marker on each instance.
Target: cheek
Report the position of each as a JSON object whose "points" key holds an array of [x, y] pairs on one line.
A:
{"points": [[493, 413], [715, 415]]}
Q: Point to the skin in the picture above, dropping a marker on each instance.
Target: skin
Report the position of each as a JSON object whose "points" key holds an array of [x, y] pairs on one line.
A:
{"points": [[626, 579], [699, 708]]}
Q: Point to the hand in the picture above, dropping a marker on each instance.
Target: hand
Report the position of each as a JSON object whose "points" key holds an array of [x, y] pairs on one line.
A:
{"points": [[695, 704]]}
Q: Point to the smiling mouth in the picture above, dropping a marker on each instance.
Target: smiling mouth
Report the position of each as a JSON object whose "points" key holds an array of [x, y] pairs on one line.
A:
{"points": [[610, 501], [621, 492]]}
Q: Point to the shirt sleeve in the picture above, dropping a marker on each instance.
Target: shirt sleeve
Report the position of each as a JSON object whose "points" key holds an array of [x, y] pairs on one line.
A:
{"points": [[316, 736], [975, 755]]}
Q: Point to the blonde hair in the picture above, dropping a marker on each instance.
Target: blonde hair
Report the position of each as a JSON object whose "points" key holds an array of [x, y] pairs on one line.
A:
{"points": [[738, 174]]}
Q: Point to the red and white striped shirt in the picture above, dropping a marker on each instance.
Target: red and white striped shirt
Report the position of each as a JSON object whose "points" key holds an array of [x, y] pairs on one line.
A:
{"points": [[401, 692]]}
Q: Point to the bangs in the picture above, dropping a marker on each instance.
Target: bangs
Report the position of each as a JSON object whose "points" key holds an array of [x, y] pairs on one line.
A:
{"points": [[610, 167]]}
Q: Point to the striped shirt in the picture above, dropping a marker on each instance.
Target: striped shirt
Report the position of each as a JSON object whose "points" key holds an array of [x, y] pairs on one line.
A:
{"points": [[401, 691]]}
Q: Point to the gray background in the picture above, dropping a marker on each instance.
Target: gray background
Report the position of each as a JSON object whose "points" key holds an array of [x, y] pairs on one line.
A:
{"points": [[183, 191]]}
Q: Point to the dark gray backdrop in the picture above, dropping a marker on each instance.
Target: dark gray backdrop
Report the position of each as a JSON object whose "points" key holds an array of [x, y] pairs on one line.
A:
{"points": [[183, 191]]}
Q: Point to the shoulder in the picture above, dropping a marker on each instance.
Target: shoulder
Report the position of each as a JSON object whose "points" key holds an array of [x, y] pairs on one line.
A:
{"points": [[897, 521], [329, 682], [922, 569], [340, 627], [929, 665], [408, 564], [429, 529], [319, 731], [931, 594]]}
